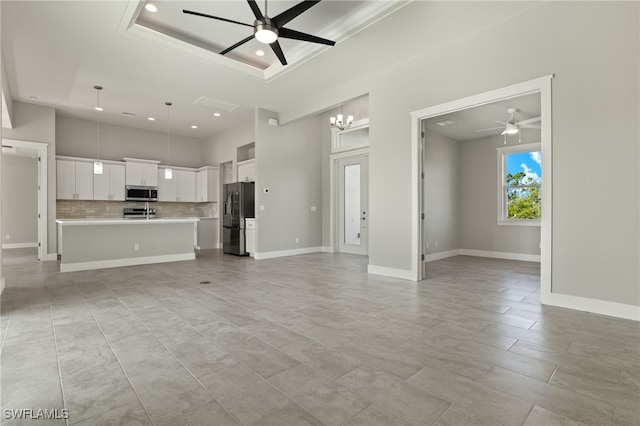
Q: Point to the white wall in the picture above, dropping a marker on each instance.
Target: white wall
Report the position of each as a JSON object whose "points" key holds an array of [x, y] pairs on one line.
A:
{"points": [[479, 202], [79, 138], [442, 193], [592, 48], [288, 162], [20, 200], [37, 123]]}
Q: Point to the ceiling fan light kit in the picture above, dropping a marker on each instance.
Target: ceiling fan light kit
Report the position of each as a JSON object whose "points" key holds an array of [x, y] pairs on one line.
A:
{"points": [[513, 126], [267, 30]]}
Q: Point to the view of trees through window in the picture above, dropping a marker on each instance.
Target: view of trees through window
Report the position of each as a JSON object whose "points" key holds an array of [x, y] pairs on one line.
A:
{"points": [[523, 185]]}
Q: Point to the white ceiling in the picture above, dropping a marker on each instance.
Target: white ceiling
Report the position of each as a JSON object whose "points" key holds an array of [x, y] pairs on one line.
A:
{"points": [[467, 122], [56, 51]]}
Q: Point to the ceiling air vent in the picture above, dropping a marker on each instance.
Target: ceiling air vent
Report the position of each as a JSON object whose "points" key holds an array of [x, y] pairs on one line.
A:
{"points": [[215, 104]]}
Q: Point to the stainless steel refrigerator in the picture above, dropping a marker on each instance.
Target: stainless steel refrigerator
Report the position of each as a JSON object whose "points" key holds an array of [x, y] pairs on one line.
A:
{"points": [[239, 204]]}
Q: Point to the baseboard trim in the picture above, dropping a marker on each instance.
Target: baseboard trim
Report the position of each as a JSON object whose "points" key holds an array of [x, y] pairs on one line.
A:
{"points": [[285, 253], [1, 286], [404, 274], [18, 245], [500, 255], [441, 255], [327, 249], [602, 307], [115, 263], [50, 256]]}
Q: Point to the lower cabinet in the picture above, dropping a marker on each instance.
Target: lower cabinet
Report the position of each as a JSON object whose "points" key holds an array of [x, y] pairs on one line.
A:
{"points": [[207, 233]]}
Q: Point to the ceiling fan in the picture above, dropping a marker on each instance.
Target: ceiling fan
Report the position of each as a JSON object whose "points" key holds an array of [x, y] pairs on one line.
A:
{"points": [[513, 125], [267, 30]]}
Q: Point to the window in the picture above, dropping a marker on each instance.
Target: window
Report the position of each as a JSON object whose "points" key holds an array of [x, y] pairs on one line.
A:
{"points": [[520, 185]]}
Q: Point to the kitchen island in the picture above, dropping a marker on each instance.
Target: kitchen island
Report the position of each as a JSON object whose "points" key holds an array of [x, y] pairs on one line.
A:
{"points": [[85, 244]]}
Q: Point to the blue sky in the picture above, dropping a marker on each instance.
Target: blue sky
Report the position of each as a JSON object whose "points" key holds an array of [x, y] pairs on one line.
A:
{"points": [[528, 162]]}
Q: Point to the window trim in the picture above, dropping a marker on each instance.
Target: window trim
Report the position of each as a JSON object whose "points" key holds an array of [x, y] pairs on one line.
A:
{"points": [[502, 151]]}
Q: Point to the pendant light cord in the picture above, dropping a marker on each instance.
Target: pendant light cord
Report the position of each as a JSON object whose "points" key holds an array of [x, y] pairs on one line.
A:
{"points": [[168, 104], [98, 109]]}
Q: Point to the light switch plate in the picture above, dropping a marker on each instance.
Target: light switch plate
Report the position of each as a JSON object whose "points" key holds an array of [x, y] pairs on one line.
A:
{"points": [[261, 207]]}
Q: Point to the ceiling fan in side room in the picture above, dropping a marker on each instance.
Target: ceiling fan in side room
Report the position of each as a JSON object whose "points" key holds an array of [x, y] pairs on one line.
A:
{"points": [[267, 30], [512, 126]]}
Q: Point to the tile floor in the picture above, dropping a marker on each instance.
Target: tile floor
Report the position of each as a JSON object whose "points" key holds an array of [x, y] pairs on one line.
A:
{"points": [[308, 340]]}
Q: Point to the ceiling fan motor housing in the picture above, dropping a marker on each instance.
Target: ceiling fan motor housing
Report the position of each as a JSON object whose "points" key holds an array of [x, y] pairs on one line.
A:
{"points": [[265, 31]]}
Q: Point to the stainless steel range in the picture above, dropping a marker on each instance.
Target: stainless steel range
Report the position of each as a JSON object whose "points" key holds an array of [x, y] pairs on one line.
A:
{"points": [[139, 213]]}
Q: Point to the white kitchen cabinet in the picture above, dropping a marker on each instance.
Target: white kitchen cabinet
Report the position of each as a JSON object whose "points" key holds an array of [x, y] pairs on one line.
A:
{"points": [[186, 186], [207, 184], [110, 184], [181, 187], [247, 171], [141, 174], [250, 235], [74, 180]]}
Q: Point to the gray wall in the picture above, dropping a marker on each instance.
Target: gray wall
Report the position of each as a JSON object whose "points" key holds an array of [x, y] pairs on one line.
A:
{"points": [[442, 193], [288, 162], [479, 202], [20, 199], [79, 138], [37, 123], [222, 146], [595, 130]]}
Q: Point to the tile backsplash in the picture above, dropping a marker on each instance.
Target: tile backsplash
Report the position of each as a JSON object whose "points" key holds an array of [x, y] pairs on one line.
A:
{"points": [[89, 209]]}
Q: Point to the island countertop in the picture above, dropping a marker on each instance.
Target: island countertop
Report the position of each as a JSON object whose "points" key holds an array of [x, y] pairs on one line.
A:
{"points": [[122, 221]]}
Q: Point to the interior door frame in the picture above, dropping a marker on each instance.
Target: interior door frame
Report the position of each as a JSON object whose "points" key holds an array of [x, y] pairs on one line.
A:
{"points": [[43, 191], [334, 195], [540, 85]]}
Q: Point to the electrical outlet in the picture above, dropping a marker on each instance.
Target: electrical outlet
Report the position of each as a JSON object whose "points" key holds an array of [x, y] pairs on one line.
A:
{"points": [[7, 237], [136, 247], [261, 207], [314, 208], [297, 240], [436, 244]]}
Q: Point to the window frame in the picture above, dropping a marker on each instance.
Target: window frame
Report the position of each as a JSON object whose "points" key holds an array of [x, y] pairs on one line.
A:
{"points": [[503, 151]]}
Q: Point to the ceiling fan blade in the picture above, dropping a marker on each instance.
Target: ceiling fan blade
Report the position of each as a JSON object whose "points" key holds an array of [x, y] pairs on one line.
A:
{"points": [[289, 14], [275, 46], [256, 10], [204, 15], [528, 126], [297, 35], [529, 120], [490, 128], [240, 43]]}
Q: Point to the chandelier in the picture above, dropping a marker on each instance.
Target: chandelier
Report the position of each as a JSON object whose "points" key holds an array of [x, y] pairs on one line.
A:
{"points": [[339, 122]]}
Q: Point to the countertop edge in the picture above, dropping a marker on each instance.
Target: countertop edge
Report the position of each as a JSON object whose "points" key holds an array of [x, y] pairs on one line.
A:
{"points": [[81, 222]]}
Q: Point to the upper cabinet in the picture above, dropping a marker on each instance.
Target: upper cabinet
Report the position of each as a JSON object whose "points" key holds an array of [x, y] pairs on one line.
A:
{"points": [[247, 171], [207, 184], [110, 184], [141, 172], [181, 187], [74, 180]]}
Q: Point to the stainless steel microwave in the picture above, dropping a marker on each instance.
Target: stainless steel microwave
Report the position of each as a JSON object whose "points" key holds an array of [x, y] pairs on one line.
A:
{"points": [[141, 193]]}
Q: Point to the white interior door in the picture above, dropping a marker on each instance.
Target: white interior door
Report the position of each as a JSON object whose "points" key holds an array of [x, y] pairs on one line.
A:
{"points": [[353, 205]]}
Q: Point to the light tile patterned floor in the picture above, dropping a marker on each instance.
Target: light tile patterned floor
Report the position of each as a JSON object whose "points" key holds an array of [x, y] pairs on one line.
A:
{"points": [[308, 340]]}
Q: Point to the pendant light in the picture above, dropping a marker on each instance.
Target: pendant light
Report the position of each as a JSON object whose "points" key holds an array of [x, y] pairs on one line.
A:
{"points": [[97, 165], [168, 173]]}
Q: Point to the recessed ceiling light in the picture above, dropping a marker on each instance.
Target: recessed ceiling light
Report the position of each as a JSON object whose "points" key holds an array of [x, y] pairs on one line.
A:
{"points": [[151, 119], [194, 127], [216, 114], [128, 114], [99, 109], [260, 52], [151, 7]]}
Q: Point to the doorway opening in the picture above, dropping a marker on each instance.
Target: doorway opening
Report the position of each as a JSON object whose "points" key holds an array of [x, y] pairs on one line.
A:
{"points": [[542, 87], [36, 220]]}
